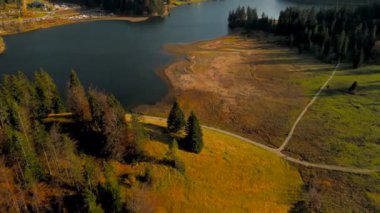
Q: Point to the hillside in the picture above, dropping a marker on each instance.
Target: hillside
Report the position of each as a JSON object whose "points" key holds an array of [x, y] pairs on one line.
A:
{"points": [[91, 159], [229, 175]]}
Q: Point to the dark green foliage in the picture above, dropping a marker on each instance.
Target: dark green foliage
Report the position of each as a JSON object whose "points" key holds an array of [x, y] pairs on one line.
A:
{"points": [[37, 150], [176, 120], [47, 94], [333, 34], [90, 202], [247, 18], [194, 136], [90, 174], [110, 194], [358, 58]]}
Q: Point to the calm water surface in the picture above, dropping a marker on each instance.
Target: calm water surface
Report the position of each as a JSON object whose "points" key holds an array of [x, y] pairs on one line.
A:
{"points": [[121, 57]]}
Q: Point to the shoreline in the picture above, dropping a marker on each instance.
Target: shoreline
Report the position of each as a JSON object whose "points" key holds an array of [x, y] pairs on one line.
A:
{"points": [[204, 72], [61, 22]]}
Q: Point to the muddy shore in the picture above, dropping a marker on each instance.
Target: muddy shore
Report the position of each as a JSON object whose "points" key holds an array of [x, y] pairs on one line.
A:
{"points": [[248, 85]]}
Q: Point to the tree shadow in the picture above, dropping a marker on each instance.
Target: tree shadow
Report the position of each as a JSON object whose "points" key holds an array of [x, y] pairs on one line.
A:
{"points": [[158, 133], [323, 69], [362, 72], [361, 90]]}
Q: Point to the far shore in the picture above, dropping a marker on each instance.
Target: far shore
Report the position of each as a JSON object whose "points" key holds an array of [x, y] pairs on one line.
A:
{"points": [[27, 27]]}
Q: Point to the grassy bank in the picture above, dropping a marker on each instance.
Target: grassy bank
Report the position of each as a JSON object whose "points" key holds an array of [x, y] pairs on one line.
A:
{"points": [[229, 175]]}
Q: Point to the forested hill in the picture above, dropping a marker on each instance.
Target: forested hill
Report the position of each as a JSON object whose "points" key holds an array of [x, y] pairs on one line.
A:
{"points": [[336, 2], [345, 34]]}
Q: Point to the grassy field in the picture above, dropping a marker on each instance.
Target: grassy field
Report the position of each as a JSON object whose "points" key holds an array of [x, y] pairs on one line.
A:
{"points": [[228, 176], [344, 127]]}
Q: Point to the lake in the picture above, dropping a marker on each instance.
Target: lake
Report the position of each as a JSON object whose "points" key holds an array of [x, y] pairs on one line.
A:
{"points": [[120, 57]]}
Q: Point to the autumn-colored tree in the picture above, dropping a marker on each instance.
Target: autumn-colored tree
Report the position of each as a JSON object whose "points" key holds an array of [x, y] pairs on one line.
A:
{"points": [[108, 119], [77, 101]]}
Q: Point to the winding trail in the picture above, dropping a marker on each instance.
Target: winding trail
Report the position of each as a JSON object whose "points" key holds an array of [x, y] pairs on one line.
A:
{"points": [[282, 155], [300, 116]]}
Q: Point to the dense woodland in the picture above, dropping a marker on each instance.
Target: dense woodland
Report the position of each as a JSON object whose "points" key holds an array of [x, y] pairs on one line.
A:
{"points": [[55, 154], [343, 34]]}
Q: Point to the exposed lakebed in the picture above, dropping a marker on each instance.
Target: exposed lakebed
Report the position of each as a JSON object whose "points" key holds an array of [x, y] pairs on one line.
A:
{"points": [[118, 56]]}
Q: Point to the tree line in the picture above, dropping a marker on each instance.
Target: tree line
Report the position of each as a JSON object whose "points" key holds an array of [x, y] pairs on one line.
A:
{"points": [[44, 147], [344, 34], [37, 152]]}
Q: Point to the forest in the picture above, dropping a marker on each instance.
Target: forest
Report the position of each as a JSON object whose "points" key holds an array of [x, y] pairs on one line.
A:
{"points": [[344, 34], [56, 154]]}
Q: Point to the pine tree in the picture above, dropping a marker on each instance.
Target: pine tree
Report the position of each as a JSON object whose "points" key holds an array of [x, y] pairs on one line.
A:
{"points": [[176, 119], [77, 101], [194, 137], [47, 94]]}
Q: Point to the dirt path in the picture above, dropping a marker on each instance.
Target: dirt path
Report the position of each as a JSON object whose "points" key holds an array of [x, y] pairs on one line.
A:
{"points": [[290, 135], [288, 158]]}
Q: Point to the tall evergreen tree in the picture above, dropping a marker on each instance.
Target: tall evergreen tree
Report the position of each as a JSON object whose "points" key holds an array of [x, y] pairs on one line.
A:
{"points": [[194, 137], [47, 94], [77, 101], [176, 120]]}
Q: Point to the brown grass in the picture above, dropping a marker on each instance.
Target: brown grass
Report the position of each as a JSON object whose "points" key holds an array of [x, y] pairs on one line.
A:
{"points": [[246, 85]]}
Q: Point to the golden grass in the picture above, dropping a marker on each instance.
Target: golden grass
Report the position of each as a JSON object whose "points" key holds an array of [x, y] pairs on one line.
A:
{"points": [[229, 175], [2, 45]]}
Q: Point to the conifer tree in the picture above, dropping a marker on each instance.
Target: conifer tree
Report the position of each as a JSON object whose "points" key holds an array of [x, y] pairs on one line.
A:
{"points": [[194, 137], [176, 119], [47, 94], [77, 101]]}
